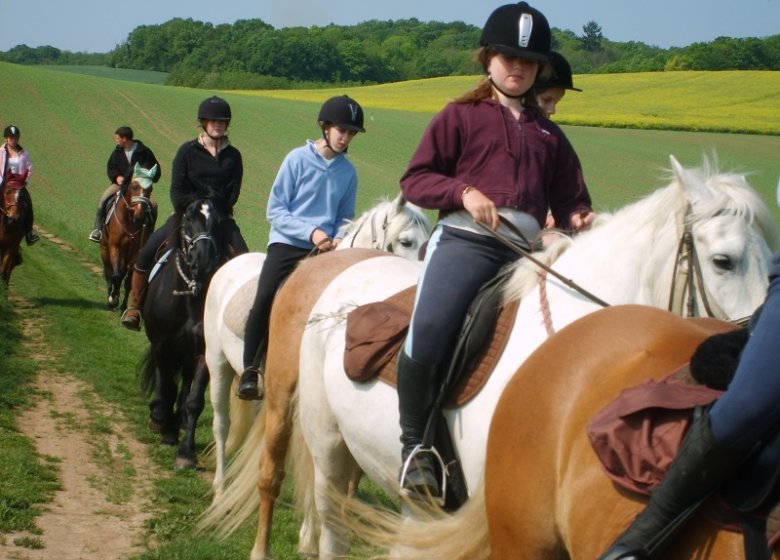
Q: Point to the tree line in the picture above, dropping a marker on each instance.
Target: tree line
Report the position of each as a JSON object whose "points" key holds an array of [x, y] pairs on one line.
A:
{"points": [[253, 54]]}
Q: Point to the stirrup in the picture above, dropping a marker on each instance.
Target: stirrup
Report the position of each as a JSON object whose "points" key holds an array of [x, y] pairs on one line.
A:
{"points": [[405, 468], [128, 323], [95, 235]]}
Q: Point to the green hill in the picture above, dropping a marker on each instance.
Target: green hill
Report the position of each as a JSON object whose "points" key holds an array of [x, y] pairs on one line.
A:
{"points": [[67, 122]]}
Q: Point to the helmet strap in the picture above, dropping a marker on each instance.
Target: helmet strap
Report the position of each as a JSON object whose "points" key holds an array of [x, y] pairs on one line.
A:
{"points": [[505, 94]]}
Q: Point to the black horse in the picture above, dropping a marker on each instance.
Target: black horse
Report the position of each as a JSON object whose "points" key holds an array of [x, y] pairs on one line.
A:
{"points": [[174, 368]]}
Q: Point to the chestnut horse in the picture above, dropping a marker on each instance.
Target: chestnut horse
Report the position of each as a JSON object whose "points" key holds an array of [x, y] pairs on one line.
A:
{"points": [[629, 257], [15, 213], [130, 221], [545, 494]]}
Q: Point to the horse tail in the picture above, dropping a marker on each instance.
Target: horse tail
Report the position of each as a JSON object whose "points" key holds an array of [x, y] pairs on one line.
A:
{"points": [[148, 372], [242, 418], [240, 498], [428, 534], [301, 465]]}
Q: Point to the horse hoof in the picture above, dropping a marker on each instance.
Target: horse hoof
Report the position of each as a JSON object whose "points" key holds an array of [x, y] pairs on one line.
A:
{"points": [[155, 426], [185, 463], [170, 440]]}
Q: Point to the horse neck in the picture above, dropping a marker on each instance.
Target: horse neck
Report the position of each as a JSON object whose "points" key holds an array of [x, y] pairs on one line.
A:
{"points": [[629, 259]]}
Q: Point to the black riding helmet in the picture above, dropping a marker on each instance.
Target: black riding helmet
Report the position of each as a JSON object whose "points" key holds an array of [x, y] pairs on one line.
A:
{"points": [[11, 131], [342, 111], [517, 30], [214, 109], [560, 76]]}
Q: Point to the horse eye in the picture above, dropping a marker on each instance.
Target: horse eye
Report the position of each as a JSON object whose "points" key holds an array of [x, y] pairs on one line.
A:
{"points": [[405, 243], [722, 262]]}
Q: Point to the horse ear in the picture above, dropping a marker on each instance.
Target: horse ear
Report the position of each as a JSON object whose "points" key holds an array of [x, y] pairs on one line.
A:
{"points": [[778, 192], [153, 170], [692, 187], [137, 168], [398, 203]]}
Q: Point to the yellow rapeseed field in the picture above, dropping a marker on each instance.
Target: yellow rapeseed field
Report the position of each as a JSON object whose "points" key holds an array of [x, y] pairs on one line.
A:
{"points": [[731, 101]]}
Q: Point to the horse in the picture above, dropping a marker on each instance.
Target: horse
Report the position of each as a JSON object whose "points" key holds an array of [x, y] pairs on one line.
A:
{"points": [[710, 227], [173, 366], [545, 493], [15, 213], [395, 227], [130, 221]]}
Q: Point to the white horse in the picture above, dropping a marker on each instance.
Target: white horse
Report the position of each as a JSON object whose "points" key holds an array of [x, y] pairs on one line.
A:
{"points": [[628, 257], [394, 226]]}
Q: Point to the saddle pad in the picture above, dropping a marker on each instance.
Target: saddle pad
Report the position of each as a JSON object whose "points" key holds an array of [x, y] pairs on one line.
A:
{"points": [[637, 435], [237, 309], [391, 321]]}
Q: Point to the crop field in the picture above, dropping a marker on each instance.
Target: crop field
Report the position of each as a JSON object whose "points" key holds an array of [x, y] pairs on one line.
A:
{"points": [[624, 128]]}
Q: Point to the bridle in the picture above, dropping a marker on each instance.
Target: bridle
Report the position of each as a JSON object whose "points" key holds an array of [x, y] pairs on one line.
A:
{"points": [[377, 242], [135, 200], [688, 279], [184, 261]]}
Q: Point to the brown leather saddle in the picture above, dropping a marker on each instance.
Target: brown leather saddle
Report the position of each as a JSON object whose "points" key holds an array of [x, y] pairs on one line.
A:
{"points": [[376, 331]]}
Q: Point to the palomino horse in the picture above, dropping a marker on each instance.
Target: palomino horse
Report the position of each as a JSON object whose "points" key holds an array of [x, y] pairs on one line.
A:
{"points": [[545, 494], [15, 213], [393, 226], [130, 221], [629, 257], [173, 320]]}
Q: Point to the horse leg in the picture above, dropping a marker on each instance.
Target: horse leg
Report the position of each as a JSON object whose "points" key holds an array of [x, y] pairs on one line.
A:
{"points": [[334, 468], [221, 374], [127, 278], [162, 405], [193, 406]]}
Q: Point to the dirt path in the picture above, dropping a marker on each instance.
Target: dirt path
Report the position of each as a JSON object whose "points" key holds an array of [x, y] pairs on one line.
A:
{"points": [[100, 511]]}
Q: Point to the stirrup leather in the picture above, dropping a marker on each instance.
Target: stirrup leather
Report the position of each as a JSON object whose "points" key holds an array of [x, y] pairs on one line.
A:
{"points": [[419, 448]]}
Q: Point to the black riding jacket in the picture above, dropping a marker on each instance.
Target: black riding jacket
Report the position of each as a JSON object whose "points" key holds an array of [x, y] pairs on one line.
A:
{"points": [[118, 165], [197, 174]]}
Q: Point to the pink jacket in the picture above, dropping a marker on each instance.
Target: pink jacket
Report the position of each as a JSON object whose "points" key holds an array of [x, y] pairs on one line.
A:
{"points": [[25, 161]]}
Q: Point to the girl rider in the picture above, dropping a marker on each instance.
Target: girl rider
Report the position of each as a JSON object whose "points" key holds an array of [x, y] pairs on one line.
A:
{"points": [[484, 155], [207, 167]]}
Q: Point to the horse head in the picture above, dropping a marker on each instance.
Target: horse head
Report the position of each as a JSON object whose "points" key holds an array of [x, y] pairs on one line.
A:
{"points": [[201, 243], [138, 193], [396, 226], [727, 238], [14, 198]]}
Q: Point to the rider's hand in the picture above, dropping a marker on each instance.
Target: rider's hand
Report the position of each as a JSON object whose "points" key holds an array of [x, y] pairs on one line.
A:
{"points": [[582, 220], [481, 208], [321, 241]]}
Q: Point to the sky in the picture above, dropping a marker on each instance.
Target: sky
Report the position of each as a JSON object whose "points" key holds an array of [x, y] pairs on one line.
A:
{"points": [[101, 25]]}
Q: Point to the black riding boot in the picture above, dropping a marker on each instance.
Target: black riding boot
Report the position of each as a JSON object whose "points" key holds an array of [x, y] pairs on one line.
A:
{"points": [[700, 467], [96, 232], [417, 387], [251, 384]]}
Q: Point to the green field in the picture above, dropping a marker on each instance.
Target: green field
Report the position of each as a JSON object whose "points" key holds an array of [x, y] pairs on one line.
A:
{"points": [[67, 121]]}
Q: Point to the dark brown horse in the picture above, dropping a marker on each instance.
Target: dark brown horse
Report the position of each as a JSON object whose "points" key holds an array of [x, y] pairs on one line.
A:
{"points": [[15, 219], [131, 219]]}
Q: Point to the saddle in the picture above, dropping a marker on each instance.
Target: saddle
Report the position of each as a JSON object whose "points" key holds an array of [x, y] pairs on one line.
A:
{"points": [[376, 331], [637, 435]]}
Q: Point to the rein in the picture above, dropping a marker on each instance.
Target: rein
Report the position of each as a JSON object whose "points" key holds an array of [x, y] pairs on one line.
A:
{"points": [[522, 251], [683, 281]]}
